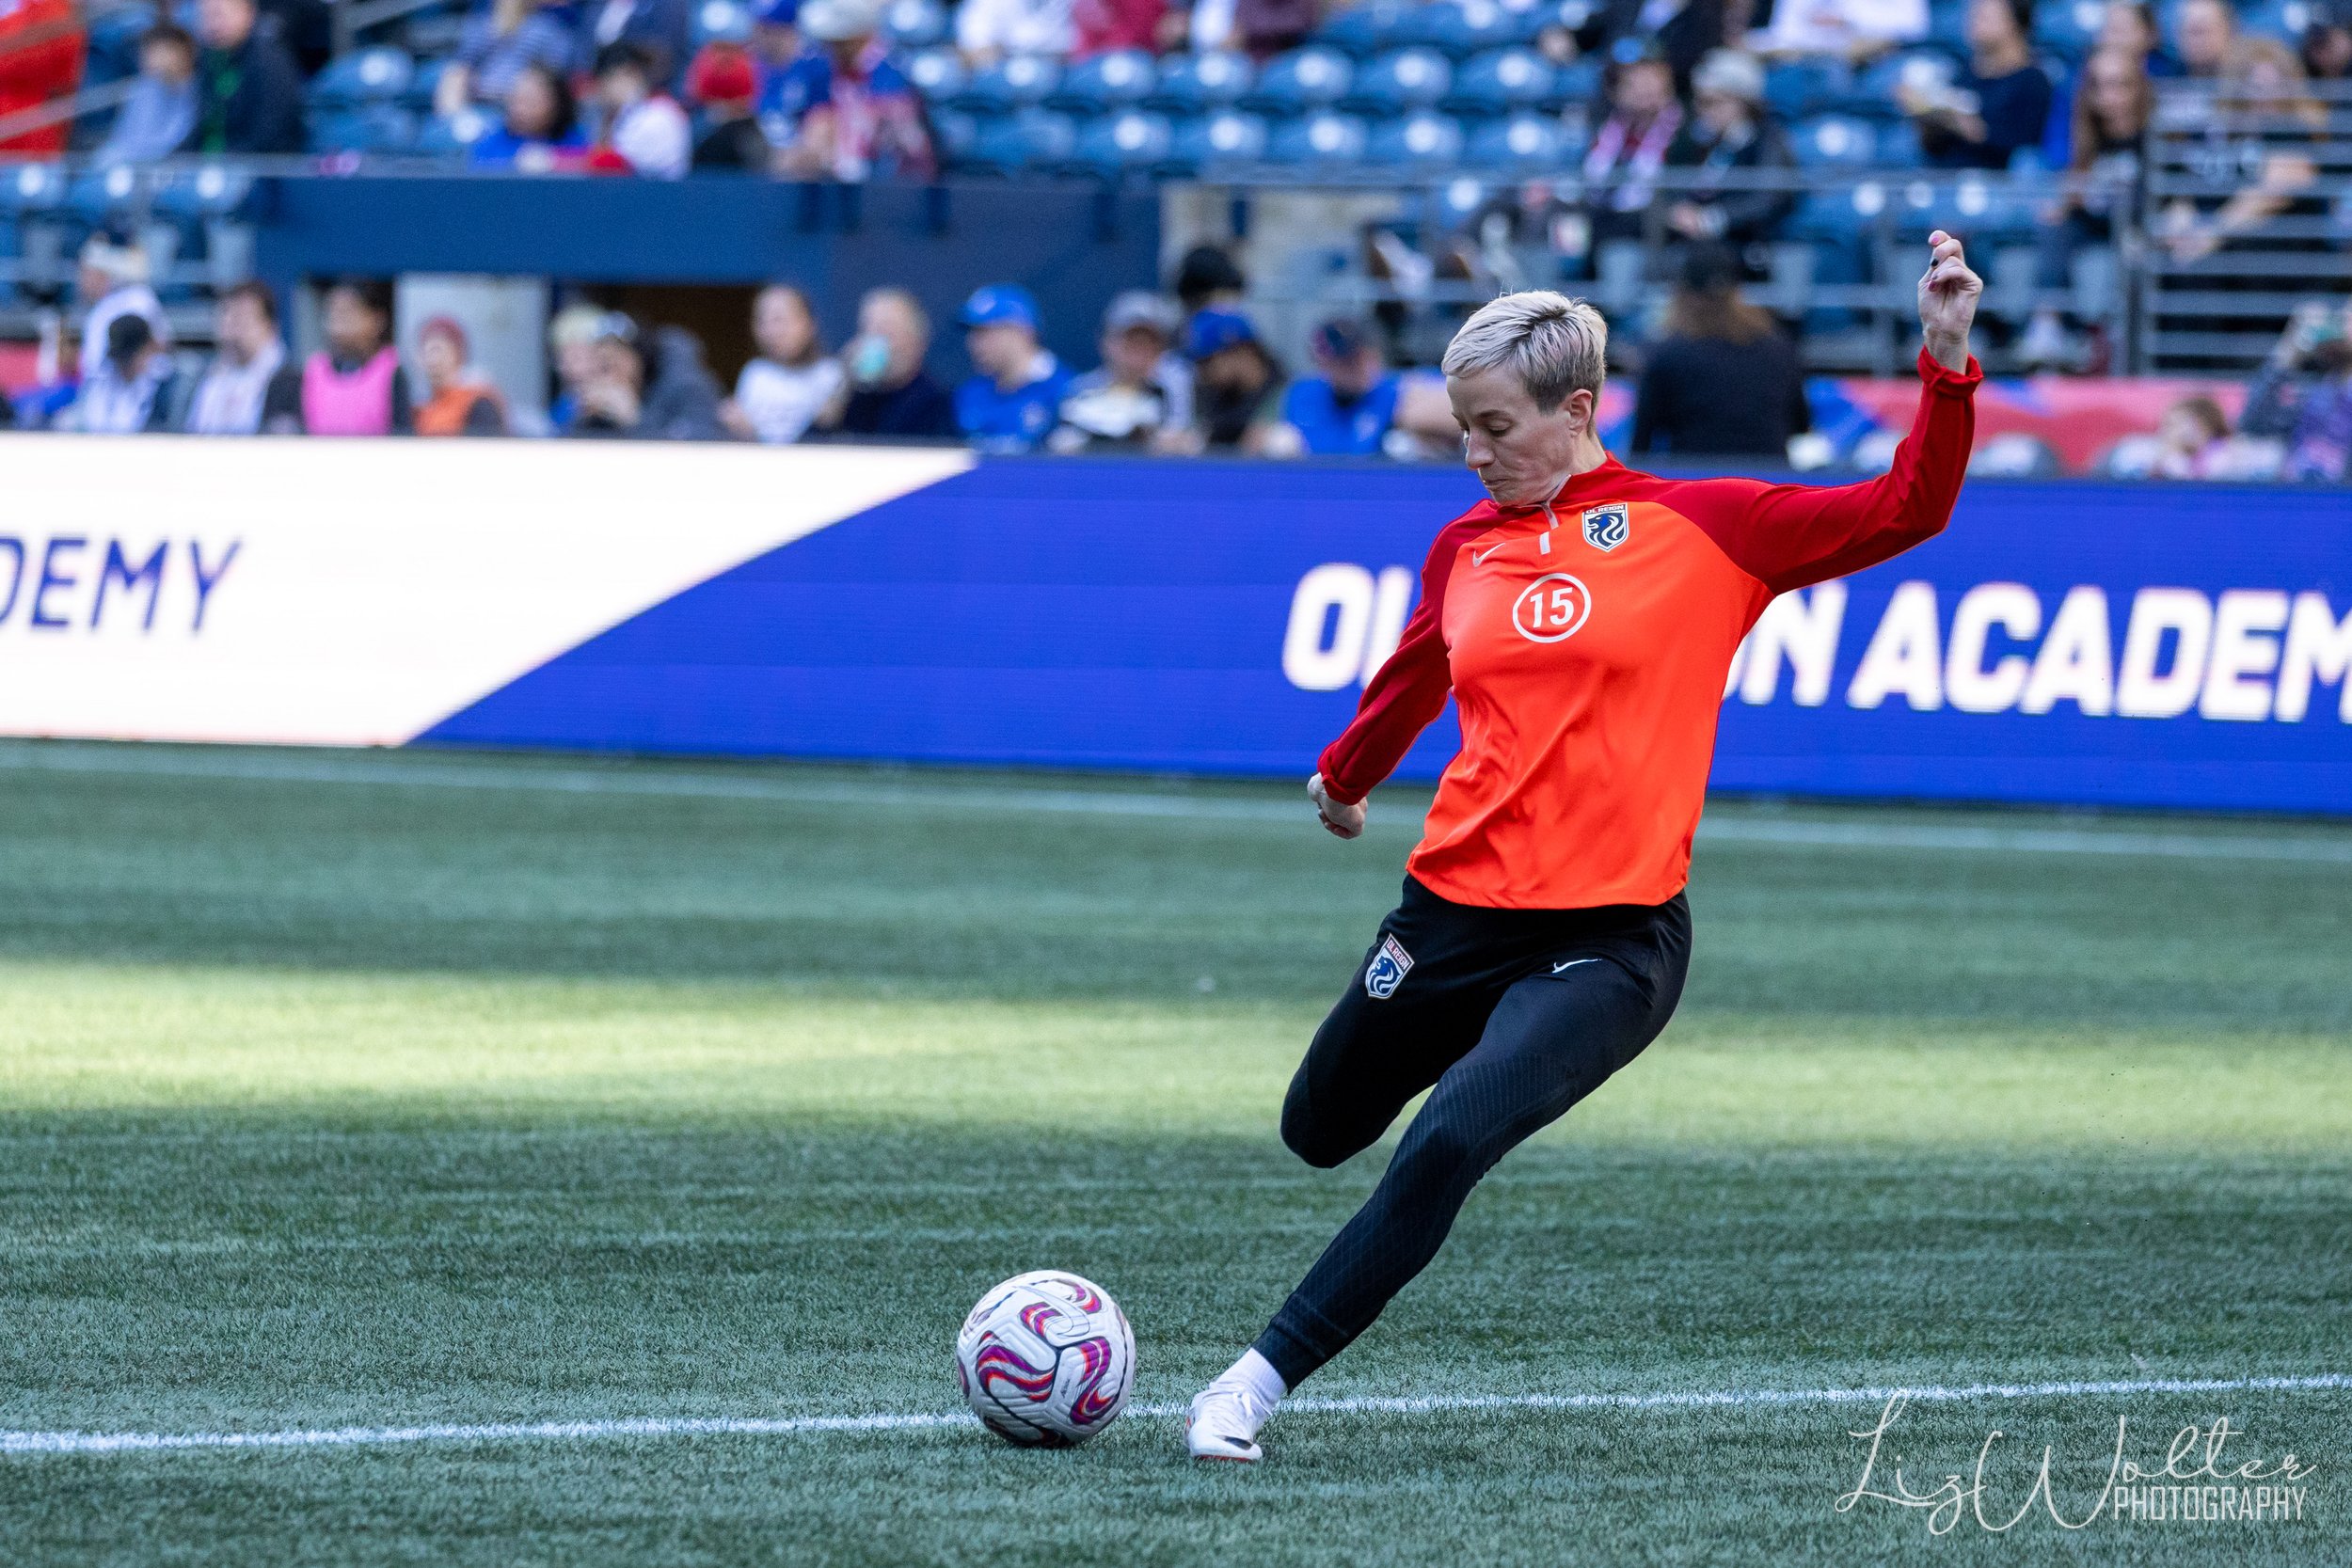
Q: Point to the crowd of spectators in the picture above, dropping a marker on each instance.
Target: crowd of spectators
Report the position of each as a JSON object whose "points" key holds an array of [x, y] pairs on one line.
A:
{"points": [[1177, 375]]}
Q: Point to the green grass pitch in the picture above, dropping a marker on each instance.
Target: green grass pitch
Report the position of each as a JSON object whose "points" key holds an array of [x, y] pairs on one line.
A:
{"points": [[370, 1091]]}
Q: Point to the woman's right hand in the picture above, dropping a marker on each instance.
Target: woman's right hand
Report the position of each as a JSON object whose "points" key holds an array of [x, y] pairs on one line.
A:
{"points": [[1341, 822]]}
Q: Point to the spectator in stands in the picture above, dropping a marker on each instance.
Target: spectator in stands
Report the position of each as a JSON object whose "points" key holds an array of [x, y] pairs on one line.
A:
{"points": [[2193, 441], [1622, 164], [2204, 32], [775, 37], [2261, 128], [132, 389], [2326, 50], [641, 123], [43, 45], [249, 389], [460, 400], [1259, 28], [1680, 31], [2129, 27], [352, 387], [723, 84], [988, 30], [1999, 105], [1856, 29], [2112, 107], [843, 110], [793, 380], [1237, 389], [1012, 400], [1728, 130], [572, 338], [664, 394], [2303, 394], [157, 119], [112, 278], [890, 391], [499, 43], [661, 29], [1103, 26], [541, 129], [1207, 277], [248, 90], [1723, 381], [1349, 408], [1129, 402]]}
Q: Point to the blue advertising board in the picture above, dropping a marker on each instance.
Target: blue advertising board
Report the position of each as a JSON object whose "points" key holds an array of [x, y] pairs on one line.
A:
{"points": [[2147, 645]]}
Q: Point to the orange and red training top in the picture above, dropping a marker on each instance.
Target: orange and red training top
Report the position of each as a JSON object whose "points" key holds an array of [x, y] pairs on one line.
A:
{"points": [[1586, 642]]}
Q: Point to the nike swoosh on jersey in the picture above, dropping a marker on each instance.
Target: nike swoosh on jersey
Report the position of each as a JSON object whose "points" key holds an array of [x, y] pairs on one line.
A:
{"points": [[1477, 559]]}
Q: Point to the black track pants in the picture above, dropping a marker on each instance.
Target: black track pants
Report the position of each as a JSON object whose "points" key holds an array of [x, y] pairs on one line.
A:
{"points": [[1514, 1015]]}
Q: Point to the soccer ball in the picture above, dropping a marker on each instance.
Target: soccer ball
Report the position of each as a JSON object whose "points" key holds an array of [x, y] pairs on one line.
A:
{"points": [[1046, 1359]]}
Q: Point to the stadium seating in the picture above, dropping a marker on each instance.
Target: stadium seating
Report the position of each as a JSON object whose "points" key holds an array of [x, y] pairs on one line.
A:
{"points": [[1119, 80], [1017, 83], [1400, 82], [1425, 140], [1191, 83], [1323, 138], [1300, 81], [1225, 136], [1835, 141], [1027, 139], [915, 24], [939, 75], [1530, 143], [363, 78], [1500, 81], [1133, 139], [722, 21]]}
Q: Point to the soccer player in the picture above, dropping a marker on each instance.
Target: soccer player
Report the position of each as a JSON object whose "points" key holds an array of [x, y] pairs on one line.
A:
{"points": [[1584, 619]]}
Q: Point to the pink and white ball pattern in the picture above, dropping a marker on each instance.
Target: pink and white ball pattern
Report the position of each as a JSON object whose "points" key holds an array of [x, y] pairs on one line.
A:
{"points": [[1046, 1359]]}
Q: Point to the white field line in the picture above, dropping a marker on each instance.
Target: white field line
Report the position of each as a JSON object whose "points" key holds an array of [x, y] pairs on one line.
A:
{"points": [[629, 780], [777, 1426]]}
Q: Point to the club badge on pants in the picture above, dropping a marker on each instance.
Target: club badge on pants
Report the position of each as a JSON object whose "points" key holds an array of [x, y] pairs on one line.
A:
{"points": [[1387, 970]]}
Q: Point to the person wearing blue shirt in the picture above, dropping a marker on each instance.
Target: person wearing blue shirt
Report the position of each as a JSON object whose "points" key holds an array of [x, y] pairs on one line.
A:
{"points": [[1014, 401], [1348, 410]]}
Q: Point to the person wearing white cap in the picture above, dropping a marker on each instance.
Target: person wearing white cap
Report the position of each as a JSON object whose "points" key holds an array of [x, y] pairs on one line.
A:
{"points": [[1728, 132], [113, 279], [843, 110], [1132, 401]]}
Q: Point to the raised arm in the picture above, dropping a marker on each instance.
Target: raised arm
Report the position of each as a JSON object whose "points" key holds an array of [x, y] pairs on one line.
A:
{"points": [[1790, 535]]}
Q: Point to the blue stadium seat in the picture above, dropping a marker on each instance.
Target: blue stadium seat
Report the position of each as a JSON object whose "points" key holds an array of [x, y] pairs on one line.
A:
{"points": [[1577, 82], [453, 135], [1126, 140], [1304, 79], [2282, 19], [1225, 136], [112, 51], [365, 76], [1467, 27], [379, 128], [425, 82], [1027, 139], [102, 195], [1405, 80], [1873, 94], [2069, 27], [1898, 144], [1192, 84], [1455, 202], [207, 191], [1419, 141], [1838, 221], [1320, 138], [954, 132], [938, 74], [1368, 26], [1118, 80], [1018, 83], [915, 24], [31, 190], [1948, 25], [1979, 209], [1500, 82], [1795, 88], [722, 21], [1523, 142], [1834, 141]]}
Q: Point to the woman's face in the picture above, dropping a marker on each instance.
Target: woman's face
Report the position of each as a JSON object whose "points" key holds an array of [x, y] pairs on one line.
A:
{"points": [[440, 359], [1643, 89], [531, 107], [1722, 112], [780, 327], [2328, 51], [2114, 97], [353, 325], [2181, 431], [1991, 22]]}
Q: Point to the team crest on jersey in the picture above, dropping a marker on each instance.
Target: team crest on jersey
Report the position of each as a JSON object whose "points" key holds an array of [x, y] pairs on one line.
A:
{"points": [[1387, 970], [1606, 527]]}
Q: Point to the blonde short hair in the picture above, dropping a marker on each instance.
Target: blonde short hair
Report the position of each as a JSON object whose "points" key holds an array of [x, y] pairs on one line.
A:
{"points": [[1558, 345]]}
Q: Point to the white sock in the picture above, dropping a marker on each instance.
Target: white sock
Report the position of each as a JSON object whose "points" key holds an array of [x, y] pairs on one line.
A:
{"points": [[1257, 1374]]}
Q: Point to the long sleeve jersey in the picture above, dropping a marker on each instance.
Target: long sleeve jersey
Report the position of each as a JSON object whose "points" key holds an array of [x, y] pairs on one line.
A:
{"points": [[1586, 642]]}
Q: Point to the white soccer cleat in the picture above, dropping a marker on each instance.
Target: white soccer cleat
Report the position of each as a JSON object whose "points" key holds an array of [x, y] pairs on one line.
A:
{"points": [[1224, 1423]]}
